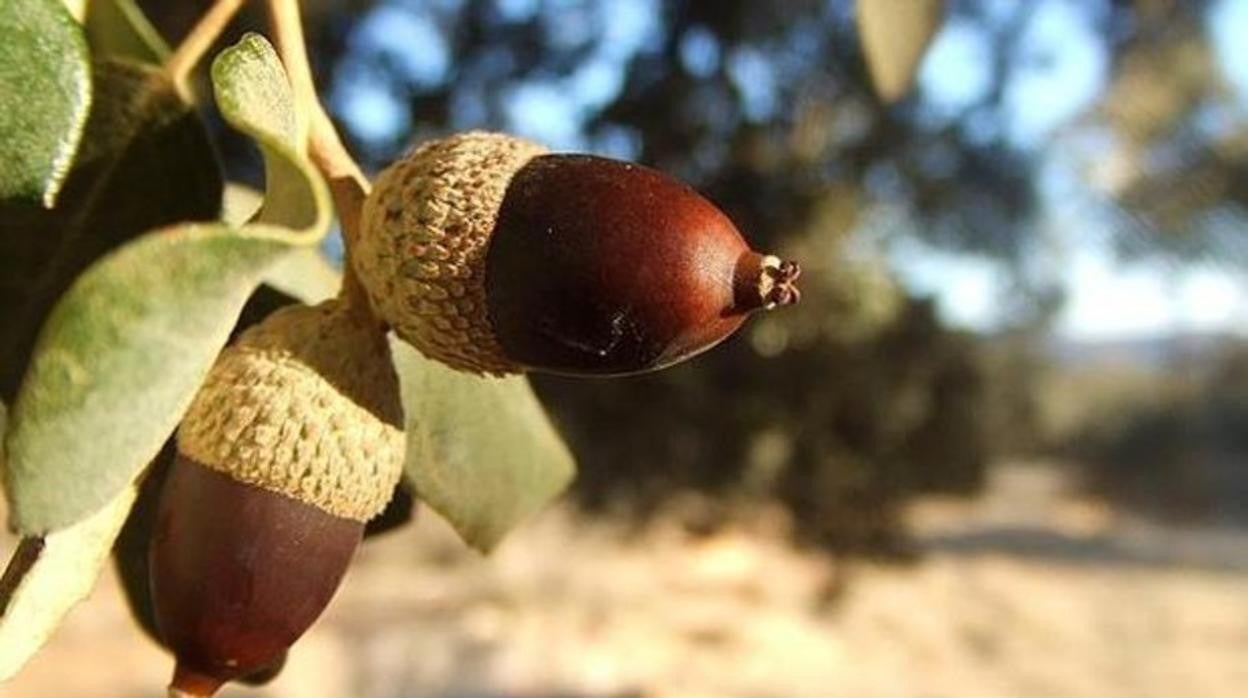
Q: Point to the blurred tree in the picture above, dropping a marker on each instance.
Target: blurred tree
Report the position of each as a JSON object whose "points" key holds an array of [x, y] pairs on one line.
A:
{"points": [[1182, 455]]}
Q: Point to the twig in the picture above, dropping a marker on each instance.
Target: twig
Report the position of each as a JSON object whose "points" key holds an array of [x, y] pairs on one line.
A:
{"points": [[288, 34], [24, 557], [347, 183], [349, 187], [325, 148], [182, 62]]}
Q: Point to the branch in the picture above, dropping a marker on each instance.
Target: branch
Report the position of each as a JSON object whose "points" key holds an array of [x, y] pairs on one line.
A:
{"points": [[182, 62], [347, 183]]}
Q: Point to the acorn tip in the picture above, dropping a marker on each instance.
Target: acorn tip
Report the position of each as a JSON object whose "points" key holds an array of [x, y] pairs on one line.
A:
{"points": [[782, 288], [764, 282], [188, 683]]}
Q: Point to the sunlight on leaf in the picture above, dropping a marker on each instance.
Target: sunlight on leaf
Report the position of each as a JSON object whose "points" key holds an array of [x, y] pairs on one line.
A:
{"points": [[77, 8], [45, 92], [306, 274], [240, 203], [480, 451], [48, 576], [254, 96], [118, 362], [145, 162]]}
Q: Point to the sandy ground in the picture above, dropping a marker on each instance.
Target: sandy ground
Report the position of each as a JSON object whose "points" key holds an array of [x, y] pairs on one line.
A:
{"points": [[1026, 592]]}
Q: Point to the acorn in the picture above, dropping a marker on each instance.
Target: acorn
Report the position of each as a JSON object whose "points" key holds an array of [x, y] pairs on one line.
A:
{"points": [[492, 255], [293, 442]]}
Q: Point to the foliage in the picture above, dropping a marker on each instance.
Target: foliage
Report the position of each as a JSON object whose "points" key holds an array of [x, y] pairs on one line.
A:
{"points": [[479, 450], [145, 162], [45, 89], [119, 291], [122, 353], [769, 108]]}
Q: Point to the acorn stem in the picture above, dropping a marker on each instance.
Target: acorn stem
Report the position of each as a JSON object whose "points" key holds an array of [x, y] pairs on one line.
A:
{"points": [[346, 179], [764, 282], [355, 299], [188, 683]]}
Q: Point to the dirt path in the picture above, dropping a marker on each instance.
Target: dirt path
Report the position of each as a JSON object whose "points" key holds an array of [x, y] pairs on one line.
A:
{"points": [[1025, 593]]}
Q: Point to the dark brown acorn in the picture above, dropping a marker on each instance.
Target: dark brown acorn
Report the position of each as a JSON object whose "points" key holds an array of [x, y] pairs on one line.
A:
{"points": [[490, 254], [291, 445]]}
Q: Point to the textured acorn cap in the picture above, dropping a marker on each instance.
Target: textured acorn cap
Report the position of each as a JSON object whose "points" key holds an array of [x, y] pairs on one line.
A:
{"points": [[424, 235], [305, 404]]}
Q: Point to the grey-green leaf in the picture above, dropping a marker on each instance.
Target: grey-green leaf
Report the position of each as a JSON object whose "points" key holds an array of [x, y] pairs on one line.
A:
{"points": [[251, 88], [123, 352], [305, 274], [45, 92], [118, 362], [145, 163], [254, 96], [480, 451], [48, 576], [119, 28]]}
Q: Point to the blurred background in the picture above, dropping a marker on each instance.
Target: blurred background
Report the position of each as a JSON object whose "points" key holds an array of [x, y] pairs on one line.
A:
{"points": [[1000, 449]]}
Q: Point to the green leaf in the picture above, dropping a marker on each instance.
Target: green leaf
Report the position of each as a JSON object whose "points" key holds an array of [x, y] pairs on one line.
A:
{"points": [[480, 451], [123, 352], [254, 96], [145, 162], [118, 362], [305, 274], [76, 8], [895, 35], [46, 577], [252, 88], [45, 91], [119, 28], [240, 203]]}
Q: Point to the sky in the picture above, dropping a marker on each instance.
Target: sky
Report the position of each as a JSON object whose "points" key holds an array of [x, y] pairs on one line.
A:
{"points": [[1106, 299]]}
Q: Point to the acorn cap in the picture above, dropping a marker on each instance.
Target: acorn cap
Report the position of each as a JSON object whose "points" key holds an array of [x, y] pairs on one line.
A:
{"points": [[305, 404], [426, 233]]}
